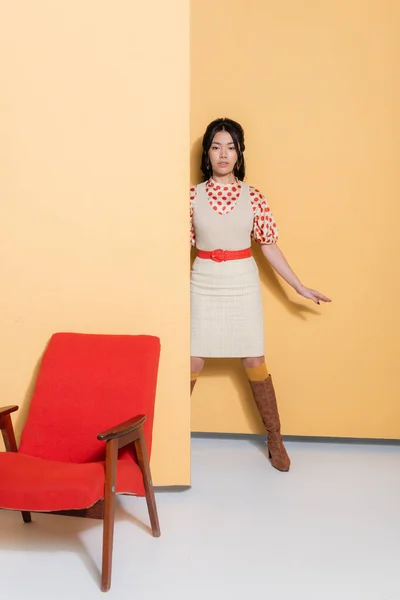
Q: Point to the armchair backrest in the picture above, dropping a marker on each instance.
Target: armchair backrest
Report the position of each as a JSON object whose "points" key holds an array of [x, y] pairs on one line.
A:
{"points": [[87, 384]]}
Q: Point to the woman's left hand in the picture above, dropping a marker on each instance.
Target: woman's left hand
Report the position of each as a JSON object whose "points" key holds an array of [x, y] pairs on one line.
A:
{"points": [[313, 295]]}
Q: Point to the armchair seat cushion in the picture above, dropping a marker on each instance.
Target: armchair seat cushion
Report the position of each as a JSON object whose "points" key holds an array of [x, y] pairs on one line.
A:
{"points": [[28, 483]]}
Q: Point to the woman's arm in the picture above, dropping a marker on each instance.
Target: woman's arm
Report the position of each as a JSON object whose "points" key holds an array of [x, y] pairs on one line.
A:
{"points": [[279, 263]]}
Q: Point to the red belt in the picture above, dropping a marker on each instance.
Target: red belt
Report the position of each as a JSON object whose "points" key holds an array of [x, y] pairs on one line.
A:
{"points": [[223, 255]]}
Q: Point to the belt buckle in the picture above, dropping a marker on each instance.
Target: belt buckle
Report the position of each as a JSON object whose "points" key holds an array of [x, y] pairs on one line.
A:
{"points": [[218, 255]]}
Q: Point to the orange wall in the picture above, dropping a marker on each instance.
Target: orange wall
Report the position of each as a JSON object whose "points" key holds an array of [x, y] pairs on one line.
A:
{"points": [[94, 118], [316, 87]]}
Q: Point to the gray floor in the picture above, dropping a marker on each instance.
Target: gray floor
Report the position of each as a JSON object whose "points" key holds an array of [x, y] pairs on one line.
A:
{"points": [[329, 529]]}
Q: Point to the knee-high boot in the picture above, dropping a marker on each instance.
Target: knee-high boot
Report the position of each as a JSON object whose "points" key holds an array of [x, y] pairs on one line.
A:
{"points": [[265, 399]]}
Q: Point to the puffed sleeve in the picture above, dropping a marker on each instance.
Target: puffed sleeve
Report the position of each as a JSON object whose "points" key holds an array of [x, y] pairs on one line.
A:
{"points": [[192, 199], [265, 230]]}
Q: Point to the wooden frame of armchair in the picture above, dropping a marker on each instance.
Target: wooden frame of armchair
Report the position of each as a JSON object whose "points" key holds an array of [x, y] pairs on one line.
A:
{"points": [[129, 432]]}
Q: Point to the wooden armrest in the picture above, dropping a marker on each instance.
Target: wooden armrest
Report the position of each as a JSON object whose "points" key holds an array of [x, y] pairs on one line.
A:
{"points": [[123, 429], [6, 410], [6, 428]]}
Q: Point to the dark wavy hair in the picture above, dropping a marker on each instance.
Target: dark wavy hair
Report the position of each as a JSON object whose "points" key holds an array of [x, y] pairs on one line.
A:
{"points": [[237, 133]]}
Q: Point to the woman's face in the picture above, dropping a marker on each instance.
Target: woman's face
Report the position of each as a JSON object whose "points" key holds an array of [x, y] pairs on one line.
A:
{"points": [[222, 154]]}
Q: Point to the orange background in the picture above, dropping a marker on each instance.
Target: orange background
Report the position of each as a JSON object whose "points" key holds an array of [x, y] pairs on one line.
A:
{"points": [[91, 130], [316, 87], [92, 114]]}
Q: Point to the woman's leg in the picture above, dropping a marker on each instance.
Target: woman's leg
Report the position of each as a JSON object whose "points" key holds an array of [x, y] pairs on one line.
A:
{"points": [[265, 399], [196, 366]]}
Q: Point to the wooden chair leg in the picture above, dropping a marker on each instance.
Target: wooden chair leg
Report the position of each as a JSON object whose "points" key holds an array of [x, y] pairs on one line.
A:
{"points": [[143, 460], [109, 513]]}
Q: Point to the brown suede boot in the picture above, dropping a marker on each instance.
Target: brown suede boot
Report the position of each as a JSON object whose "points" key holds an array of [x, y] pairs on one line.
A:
{"points": [[265, 399]]}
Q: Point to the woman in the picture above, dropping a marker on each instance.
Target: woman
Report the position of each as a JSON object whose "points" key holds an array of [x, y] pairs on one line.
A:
{"points": [[226, 308]]}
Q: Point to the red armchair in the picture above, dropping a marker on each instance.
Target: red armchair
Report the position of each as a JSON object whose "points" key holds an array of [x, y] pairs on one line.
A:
{"points": [[88, 433]]}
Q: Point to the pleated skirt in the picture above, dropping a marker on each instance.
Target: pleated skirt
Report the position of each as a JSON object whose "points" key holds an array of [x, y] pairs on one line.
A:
{"points": [[226, 309]]}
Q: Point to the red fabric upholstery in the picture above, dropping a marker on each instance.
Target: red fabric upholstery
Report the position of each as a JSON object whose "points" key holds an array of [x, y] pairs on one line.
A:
{"points": [[86, 384], [30, 483]]}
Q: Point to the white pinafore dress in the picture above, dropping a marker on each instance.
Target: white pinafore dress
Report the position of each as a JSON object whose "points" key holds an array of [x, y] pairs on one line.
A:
{"points": [[226, 305]]}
